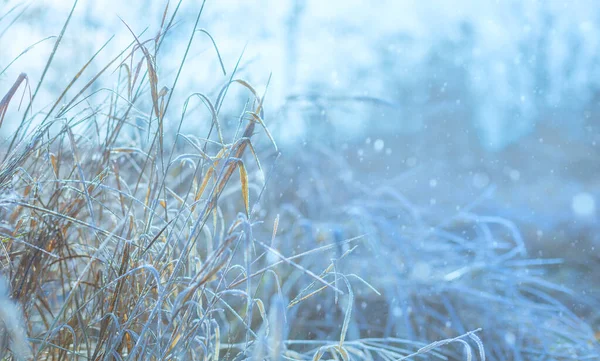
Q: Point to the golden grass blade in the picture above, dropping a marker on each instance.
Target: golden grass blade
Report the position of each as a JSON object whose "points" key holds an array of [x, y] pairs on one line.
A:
{"points": [[263, 313], [244, 183], [153, 80], [205, 180], [152, 75], [300, 299], [174, 342], [342, 351], [162, 25], [253, 91], [319, 354], [54, 163]]}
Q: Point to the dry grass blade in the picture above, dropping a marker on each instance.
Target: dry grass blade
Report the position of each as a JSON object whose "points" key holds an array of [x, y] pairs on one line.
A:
{"points": [[304, 270], [24, 125], [205, 179], [297, 256], [303, 295], [459, 339], [9, 95], [92, 81], [275, 227], [157, 38], [244, 184], [258, 119], [213, 112], [152, 76], [123, 235], [229, 167]]}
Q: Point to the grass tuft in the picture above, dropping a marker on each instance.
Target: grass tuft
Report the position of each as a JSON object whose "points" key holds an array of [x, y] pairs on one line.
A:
{"points": [[125, 239]]}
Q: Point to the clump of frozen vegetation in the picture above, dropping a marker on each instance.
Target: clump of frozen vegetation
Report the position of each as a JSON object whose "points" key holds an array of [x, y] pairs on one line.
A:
{"points": [[149, 211]]}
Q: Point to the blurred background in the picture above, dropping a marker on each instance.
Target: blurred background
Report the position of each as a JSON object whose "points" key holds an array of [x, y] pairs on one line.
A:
{"points": [[460, 105]]}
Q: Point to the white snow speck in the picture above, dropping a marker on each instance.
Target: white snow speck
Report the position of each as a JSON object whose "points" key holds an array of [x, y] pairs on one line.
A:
{"points": [[510, 338], [583, 204], [378, 145]]}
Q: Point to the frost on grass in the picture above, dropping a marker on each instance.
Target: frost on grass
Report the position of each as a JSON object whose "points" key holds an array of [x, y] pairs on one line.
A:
{"points": [[131, 238], [441, 275]]}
